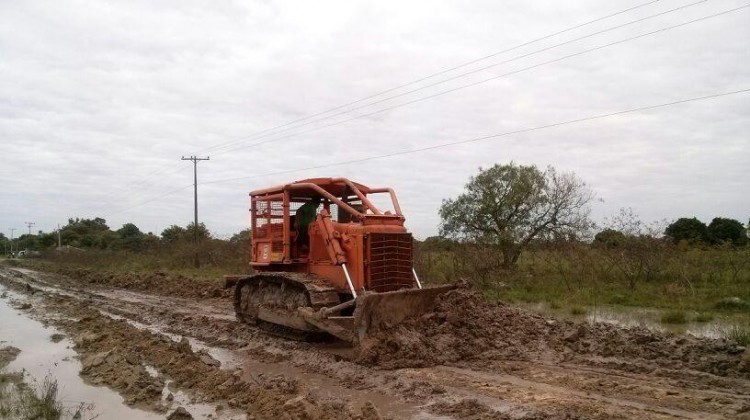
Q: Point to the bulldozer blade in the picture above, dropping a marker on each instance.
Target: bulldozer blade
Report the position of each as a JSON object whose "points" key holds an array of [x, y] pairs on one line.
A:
{"points": [[379, 311]]}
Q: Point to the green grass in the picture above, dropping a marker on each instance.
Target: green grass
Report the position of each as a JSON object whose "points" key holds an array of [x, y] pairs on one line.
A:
{"points": [[704, 317], [667, 278], [577, 310], [216, 258], [740, 334], [37, 402], [674, 317], [731, 304]]}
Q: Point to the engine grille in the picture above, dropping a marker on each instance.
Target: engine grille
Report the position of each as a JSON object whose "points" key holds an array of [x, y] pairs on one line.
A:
{"points": [[389, 262]]}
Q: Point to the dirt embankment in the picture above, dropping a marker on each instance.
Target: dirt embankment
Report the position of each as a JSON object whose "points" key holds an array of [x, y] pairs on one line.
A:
{"points": [[7, 355], [465, 328], [158, 282]]}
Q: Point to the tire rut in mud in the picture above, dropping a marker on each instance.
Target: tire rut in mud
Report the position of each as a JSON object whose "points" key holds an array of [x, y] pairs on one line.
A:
{"points": [[118, 355]]}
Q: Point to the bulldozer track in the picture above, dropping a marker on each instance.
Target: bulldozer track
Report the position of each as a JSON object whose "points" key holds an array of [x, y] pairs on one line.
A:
{"points": [[280, 295], [291, 333]]}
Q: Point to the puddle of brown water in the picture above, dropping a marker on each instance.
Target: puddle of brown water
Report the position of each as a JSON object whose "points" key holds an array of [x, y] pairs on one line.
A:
{"points": [[41, 357], [649, 318]]}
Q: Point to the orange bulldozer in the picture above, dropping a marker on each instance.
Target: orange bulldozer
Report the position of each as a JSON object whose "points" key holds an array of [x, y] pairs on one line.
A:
{"points": [[328, 261]]}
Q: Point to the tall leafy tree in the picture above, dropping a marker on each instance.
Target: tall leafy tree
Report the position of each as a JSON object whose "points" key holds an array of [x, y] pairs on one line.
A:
{"points": [[4, 243], [88, 233], [723, 230], [610, 238], [687, 229], [203, 233], [173, 234], [507, 206], [130, 237]]}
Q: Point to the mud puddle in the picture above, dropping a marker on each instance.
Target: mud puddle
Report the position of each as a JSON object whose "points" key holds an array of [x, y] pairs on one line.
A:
{"points": [[649, 318], [41, 357]]}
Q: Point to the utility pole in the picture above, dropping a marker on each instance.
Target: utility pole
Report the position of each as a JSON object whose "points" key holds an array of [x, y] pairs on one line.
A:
{"points": [[29, 224], [11, 239], [195, 189], [59, 237]]}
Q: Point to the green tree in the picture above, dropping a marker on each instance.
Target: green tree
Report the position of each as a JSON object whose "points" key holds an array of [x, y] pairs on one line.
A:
{"points": [[723, 230], [26, 241], [46, 240], [173, 234], [241, 237], [690, 230], [610, 238], [203, 232], [507, 206], [437, 243], [88, 233], [4, 243], [130, 237]]}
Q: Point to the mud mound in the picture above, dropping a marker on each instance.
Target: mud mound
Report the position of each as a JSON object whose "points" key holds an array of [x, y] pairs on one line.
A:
{"points": [[158, 282], [8, 354], [473, 409], [464, 327]]}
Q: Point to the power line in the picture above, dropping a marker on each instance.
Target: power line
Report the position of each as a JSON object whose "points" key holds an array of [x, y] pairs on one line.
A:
{"points": [[438, 73], [492, 136], [463, 87], [443, 145], [172, 192], [578, 26], [441, 93]]}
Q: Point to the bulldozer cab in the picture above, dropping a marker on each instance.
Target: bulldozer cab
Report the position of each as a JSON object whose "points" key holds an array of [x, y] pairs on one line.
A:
{"points": [[279, 238]]}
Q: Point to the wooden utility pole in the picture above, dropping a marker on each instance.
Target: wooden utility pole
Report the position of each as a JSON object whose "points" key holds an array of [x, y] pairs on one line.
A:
{"points": [[29, 224], [11, 239], [195, 189], [195, 160]]}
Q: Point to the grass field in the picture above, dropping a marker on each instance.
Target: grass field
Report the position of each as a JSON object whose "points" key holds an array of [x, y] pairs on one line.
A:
{"points": [[703, 280]]}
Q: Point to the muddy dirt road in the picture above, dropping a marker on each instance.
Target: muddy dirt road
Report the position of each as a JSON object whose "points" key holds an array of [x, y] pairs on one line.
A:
{"points": [[151, 338]]}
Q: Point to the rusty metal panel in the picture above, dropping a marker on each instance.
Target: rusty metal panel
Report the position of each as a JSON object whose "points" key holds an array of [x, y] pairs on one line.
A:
{"points": [[389, 261]]}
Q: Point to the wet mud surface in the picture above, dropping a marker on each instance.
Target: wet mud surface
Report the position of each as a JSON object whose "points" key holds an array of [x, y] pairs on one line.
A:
{"points": [[149, 337]]}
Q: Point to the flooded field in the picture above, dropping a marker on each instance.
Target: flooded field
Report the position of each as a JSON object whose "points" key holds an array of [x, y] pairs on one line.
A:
{"points": [[716, 325]]}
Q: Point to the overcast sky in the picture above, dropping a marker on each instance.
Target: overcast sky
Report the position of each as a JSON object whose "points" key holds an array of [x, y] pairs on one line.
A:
{"points": [[99, 100]]}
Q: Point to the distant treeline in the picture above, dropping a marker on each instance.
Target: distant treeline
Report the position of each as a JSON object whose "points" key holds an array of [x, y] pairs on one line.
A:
{"points": [[96, 234]]}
